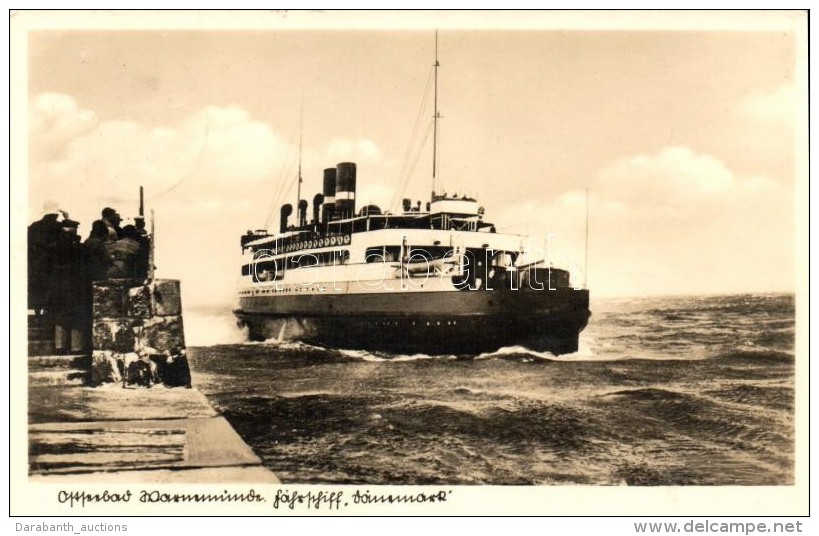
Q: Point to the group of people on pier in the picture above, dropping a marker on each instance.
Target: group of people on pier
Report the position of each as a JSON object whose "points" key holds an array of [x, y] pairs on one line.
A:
{"points": [[62, 269]]}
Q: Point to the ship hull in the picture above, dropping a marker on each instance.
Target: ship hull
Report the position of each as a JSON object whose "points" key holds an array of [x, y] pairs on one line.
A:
{"points": [[459, 323]]}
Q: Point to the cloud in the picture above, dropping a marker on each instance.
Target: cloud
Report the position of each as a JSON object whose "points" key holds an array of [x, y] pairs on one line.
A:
{"points": [[676, 221], [354, 150], [54, 121], [674, 175], [209, 177], [774, 106], [682, 185], [208, 156]]}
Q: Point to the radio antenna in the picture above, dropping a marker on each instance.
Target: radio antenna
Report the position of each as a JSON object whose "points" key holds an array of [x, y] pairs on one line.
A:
{"points": [[586, 255]]}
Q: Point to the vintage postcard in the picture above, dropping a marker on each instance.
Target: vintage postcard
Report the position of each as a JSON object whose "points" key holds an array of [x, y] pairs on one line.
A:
{"points": [[409, 263]]}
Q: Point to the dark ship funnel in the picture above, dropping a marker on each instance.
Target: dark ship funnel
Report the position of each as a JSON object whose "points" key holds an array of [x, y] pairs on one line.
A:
{"points": [[287, 210], [318, 199], [302, 212], [329, 210], [345, 190]]}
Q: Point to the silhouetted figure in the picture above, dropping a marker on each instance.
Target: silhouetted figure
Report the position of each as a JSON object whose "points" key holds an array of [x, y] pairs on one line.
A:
{"points": [[96, 260], [66, 291], [42, 240], [112, 219], [97, 257], [141, 373], [174, 371], [126, 253], [141, 268], [139, 223]]}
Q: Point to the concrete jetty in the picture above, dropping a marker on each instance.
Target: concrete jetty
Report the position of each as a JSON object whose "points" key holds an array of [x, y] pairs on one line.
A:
{"points": [[113, 434]]}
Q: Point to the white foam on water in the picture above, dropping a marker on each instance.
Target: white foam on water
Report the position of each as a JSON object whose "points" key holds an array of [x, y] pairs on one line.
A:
{"points": [[207, 328], [418, 357], [585, 352], [516, 350], [289, 344], [368, 356], [362, 355]]}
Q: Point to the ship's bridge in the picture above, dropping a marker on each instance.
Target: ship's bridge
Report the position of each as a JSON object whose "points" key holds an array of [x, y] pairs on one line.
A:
{"points": [[461, 213], [454, 206]]}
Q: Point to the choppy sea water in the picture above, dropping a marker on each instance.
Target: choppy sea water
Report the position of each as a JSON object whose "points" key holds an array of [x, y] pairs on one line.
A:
{"points": [[664, 391]]}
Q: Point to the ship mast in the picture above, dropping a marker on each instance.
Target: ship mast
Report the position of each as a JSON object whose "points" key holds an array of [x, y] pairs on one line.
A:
{"points": [[435, 117], [301, 137]]}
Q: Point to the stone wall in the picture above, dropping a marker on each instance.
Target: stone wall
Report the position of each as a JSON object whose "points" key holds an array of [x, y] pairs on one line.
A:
{"points": [[138, 335]]}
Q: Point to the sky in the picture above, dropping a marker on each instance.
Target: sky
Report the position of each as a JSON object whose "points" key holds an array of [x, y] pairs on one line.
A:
{"points": [[687, 141]]}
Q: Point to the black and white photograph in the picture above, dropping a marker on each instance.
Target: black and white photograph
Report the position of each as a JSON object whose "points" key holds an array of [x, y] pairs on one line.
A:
{"points": [[410, 258]]}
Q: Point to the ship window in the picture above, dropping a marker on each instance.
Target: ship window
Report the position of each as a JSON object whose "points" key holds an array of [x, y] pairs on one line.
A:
{"points": [[429, 252], [503, 259], [263, 271], [382, 254], [359, 225], [300, 260], [306, 260]]}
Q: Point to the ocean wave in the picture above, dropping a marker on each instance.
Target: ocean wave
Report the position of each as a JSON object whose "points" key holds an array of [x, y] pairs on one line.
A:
{"points": [[608, 414], [760, 357], [510, 353], [780, 397], [364, 355], [211, 328], [517, 353], [647, 393], [288, 345], [351, 354], [664, 329]]}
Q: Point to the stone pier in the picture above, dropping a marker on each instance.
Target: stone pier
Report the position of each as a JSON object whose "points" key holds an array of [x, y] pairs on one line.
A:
{"points": [[83, 427], [138, 335]]}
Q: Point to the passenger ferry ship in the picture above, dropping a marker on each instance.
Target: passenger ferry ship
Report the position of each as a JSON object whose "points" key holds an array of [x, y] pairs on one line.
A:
{"points": [[432, 278]]}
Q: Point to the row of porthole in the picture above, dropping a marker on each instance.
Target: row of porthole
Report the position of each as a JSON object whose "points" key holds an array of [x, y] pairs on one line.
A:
{"points": [[395, 323], [277, 290], [320, 243]]}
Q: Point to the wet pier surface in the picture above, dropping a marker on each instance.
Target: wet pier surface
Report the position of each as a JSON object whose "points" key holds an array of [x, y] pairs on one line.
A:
{"points": [[106, 434]]}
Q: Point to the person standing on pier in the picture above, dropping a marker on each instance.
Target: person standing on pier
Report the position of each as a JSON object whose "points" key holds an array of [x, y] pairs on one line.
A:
{"points": [[66, 291], [126, 252], [42, 239], [97, 257], [112, 219]]}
